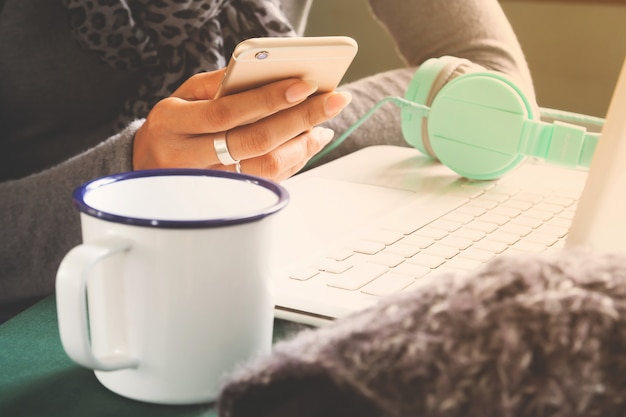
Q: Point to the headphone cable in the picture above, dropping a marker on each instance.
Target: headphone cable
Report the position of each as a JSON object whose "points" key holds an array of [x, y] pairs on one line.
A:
{"points": [[400, 102]]}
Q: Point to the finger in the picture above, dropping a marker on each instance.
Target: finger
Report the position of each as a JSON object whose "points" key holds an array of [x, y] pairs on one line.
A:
{"points": [[262, 137], [286, 160], [201, 86], [202, 116], [290, 157]]}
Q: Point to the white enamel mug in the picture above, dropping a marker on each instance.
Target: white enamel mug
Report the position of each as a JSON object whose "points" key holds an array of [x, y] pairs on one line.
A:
{"points": [[169, 290]]}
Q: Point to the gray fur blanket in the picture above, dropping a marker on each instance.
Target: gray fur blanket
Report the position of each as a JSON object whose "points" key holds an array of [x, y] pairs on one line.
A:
{"points": [[525, 336]]}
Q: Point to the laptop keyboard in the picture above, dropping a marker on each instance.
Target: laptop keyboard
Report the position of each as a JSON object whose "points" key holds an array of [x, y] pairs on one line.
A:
{"points": [[482, 221]]}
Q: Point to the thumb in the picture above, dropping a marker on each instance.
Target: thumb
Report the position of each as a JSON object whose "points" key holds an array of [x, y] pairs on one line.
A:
{"points": [[201, 86]]}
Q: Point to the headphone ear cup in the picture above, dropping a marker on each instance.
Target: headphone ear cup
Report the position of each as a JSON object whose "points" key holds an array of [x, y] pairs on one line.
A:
{"points": [[429, 78], [476, 122]]}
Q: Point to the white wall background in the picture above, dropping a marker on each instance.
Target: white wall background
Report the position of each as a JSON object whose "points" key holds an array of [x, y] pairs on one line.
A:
{"points": [[574, 50]]}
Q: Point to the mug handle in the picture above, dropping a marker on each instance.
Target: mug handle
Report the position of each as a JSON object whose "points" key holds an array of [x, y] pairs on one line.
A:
{"points": [[71, 294]]}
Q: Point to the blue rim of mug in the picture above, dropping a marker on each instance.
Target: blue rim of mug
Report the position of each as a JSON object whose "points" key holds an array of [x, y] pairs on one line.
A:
{"points": [[79, 193]]}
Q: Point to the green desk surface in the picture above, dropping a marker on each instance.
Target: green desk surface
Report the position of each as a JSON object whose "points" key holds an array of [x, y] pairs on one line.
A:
{"points": [[37, 378]]}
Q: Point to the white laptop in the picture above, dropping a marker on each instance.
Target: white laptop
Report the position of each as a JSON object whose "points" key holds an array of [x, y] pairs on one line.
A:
{"points": [[386, 219]]}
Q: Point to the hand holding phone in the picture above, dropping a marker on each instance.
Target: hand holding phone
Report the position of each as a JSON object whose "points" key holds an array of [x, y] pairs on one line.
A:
{"points": [[272, 131]]}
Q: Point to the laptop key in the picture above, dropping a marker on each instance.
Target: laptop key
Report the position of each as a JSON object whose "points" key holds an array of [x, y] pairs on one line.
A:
{"points": [[340, 254], [430, 261], [304, 274], [387, 259], [387, 284], [357, 276], [367, 247], [402, 249], [413, 270]]}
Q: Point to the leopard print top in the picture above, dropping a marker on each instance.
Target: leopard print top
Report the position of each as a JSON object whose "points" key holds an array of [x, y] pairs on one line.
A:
{"points": [[169, 40]]}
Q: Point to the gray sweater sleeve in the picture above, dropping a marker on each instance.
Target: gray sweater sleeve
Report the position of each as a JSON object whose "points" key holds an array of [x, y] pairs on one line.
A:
{"points": [[474, 29], [38, 223]]}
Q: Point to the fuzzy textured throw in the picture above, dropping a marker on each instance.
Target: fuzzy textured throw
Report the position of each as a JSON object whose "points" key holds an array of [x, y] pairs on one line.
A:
{"points": [[525, 336]]}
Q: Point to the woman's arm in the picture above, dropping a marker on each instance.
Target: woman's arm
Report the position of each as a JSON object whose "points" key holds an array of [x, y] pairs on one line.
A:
{"points": [[38, 222], [474, 29], [39, 225], [477, 30]]}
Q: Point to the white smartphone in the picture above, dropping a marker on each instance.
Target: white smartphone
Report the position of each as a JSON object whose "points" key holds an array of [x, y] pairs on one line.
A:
{"points": [[259, 61]]}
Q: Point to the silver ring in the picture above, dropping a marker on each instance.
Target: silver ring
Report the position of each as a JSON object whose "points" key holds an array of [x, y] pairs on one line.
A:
{"points": [[221, 149], [238, 167]]}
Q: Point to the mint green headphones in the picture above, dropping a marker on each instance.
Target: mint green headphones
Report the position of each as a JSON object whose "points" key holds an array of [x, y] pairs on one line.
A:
{"points": [[480, 124]]}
